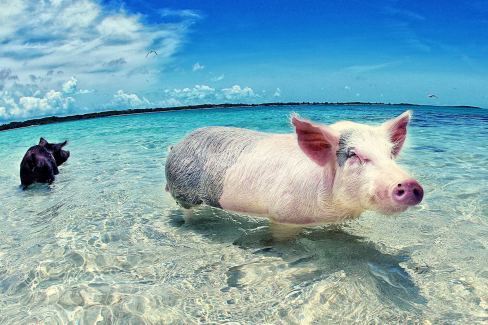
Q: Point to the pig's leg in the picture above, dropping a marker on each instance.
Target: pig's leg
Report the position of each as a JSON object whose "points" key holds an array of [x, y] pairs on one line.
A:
{"points": [[183, 203], [284, 232], [187, 215], [26, 178], [55, 169]]}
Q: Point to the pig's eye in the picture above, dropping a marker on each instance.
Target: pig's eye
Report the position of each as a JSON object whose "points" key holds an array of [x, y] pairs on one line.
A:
{"points": [[351, 154]]}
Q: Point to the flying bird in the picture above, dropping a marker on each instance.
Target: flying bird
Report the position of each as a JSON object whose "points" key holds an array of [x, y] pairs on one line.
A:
{"points": [[151, 51], [432, 96]]}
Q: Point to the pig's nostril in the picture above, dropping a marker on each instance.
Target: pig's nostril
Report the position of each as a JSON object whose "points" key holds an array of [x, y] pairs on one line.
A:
{"points": [[418, 193], [409, 193]]}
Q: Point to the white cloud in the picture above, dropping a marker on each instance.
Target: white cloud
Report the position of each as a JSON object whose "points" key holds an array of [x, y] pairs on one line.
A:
{"points": [[277, 92], [236, 92], [197, 66], [370, 67], [205, 94], [85, 91], [218, 78], [119, 27], [98, 45], [83, 35], [179, 13], [10, 9], [197, 93], [19, 100], [69, 87], [127, 100], [52, 101]]}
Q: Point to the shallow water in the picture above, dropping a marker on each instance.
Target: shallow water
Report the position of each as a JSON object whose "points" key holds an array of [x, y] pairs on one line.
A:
{"points": [[105, 242]]}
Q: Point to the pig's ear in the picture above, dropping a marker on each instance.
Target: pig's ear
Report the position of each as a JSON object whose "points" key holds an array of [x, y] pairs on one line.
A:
{"points": [[42, 142], [318, 142], [397, 130], [62, 144]]}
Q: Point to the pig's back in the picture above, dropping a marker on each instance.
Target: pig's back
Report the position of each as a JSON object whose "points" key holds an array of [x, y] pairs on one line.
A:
{"points": [[196, 167]]}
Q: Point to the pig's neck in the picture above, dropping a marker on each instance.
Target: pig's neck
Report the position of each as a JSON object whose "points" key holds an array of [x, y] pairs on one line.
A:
{"points": [[301, 192], [308, 198], [332, 208]]}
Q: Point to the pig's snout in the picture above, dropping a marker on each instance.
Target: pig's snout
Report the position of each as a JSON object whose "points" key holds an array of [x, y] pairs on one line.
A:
{"points": [[409, 192]]}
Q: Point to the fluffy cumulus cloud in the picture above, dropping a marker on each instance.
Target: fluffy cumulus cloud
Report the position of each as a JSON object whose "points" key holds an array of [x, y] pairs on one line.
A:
{"points": [[69, 87], [236, 92], [52, 48], [29, 100], [127, 100], [52, 101], [195, 94], [47, 40], [205, 94]]}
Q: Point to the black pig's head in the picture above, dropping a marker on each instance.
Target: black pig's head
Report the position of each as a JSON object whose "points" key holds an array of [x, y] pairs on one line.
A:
{"points": [[56, 149]]}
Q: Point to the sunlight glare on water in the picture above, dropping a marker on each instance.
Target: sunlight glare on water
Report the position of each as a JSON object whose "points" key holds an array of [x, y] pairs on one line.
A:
{"points": [[105, 242]]}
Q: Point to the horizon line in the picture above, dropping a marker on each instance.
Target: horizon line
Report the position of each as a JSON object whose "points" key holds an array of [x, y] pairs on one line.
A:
{"points": [[75, 117]]}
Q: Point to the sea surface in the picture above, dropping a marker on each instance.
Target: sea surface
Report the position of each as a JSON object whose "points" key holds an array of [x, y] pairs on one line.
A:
{"points": [[106, 244]]}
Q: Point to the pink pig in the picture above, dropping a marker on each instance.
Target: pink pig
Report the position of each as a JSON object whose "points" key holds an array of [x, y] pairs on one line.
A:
{"points": [[319, 174]]}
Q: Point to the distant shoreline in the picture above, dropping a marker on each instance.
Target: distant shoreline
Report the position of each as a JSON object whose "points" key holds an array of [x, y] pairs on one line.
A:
{"points": [[59, 119]]}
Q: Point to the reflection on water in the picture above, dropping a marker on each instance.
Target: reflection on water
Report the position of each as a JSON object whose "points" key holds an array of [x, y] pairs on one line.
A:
{"points": [[106, 244]]}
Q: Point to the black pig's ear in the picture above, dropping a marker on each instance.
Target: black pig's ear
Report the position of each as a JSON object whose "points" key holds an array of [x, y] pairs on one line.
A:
{"points": [[42, 142], [63, 143]]}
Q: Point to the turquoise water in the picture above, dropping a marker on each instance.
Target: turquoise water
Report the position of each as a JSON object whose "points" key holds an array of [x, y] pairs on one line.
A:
{"points": [[105, 242]]}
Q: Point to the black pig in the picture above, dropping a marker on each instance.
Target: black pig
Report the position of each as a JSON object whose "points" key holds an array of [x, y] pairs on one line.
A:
{"points": [[40, 163]]}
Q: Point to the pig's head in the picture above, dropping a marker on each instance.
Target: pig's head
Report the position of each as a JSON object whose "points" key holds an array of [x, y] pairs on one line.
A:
{"points": [[56, 149], [361, 159]]}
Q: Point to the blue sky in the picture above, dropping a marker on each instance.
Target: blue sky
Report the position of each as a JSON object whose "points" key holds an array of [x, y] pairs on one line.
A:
{"points": [[64, 57]]}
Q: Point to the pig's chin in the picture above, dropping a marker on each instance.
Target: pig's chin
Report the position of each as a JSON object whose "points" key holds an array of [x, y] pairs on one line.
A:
{"points": [[386, 206], [390, 210]]}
